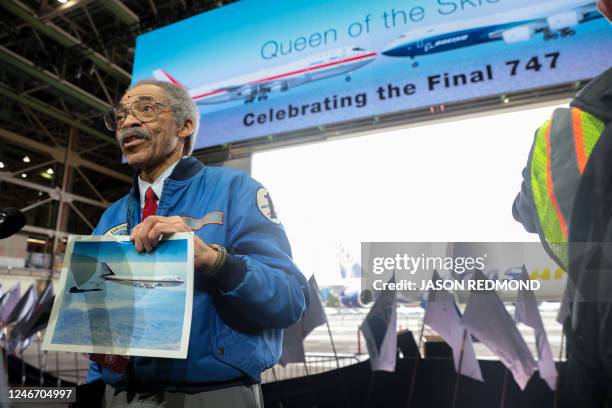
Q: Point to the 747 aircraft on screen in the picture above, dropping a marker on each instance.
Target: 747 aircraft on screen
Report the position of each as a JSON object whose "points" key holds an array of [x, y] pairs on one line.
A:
{"points": [[553, 19], [257, 85]]}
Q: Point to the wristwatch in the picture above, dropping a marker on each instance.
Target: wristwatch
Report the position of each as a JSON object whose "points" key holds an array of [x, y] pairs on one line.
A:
{"points": [[221, 257]]}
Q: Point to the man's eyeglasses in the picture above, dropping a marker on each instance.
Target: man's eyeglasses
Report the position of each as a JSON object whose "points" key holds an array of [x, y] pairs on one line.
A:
{"points": [[145, 111]]}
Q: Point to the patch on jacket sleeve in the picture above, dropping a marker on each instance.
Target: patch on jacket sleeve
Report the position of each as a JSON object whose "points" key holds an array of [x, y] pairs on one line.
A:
{"points": [[215, 217], [120, 229], [265, 205]]}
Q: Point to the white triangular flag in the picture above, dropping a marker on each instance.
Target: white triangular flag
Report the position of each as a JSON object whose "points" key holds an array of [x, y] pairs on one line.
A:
{"points": [[25, 306], [293, 336], [488, 320], [380, 332], [442, 315], [527, 312], [37, 320], [293, 345], [315, 315], [8, 302]]}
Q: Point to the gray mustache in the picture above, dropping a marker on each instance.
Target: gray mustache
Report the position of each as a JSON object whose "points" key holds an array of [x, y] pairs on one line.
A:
{"points": [[135, 131]]}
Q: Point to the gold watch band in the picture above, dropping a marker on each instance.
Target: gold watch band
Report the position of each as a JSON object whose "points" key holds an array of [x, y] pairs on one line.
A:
{"points": [[221, 257]]}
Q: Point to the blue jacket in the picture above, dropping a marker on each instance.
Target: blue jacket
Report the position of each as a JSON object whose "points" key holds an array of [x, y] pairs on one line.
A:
{"points": [[238, 315]]}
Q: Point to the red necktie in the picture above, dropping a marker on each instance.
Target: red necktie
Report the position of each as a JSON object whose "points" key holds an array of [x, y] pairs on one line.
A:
{"points": [[116, 363], [150, 207]]}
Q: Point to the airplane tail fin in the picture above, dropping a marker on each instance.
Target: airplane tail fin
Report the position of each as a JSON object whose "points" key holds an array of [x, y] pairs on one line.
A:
{"points": [[107, 270], [162, 75]]}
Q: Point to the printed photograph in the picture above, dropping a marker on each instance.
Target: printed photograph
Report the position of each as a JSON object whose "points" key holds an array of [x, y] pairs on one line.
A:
{"points": [[115, 300]]}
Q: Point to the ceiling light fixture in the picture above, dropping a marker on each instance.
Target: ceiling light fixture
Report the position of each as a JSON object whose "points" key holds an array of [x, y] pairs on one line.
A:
{"points": [[26, 159], [36, 241]]}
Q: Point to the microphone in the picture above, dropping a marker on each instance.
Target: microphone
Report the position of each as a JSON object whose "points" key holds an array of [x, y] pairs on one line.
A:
{"points": [[11, 222]]}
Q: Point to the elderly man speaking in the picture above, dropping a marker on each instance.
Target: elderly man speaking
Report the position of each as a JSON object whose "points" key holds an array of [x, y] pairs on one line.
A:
{"points": [[246, 286]]}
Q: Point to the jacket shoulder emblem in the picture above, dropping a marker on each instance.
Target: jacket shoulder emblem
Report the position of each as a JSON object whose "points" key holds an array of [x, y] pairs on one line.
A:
{"points": [[120, 229], [266, 206]]}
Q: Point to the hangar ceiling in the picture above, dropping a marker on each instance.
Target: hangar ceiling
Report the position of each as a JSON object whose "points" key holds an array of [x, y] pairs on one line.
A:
{"points": [[62, 65]]}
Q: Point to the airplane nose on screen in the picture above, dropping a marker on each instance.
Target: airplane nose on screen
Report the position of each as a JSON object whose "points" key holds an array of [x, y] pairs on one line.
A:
{"points": [[395, 49], [392, 52]]}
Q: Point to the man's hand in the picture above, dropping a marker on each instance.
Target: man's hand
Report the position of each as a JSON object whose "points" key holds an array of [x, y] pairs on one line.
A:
{"points": [[147, 234]]}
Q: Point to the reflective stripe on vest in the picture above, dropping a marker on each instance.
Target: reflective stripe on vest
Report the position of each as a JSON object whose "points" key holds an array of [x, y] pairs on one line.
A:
{"points": [[561, 152]]}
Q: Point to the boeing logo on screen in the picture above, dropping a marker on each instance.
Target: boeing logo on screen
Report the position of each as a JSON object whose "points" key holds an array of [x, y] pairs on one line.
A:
{"points": [[452, 40], [552, 18], [431, 45], [257, 86]]}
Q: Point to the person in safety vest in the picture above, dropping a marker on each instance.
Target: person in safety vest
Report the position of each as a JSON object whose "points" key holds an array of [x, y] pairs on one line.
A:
{"points": [[566, 197]]}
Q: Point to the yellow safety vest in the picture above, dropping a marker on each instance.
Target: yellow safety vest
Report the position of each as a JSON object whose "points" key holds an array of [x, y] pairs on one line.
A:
{"points": [[560, 154]]}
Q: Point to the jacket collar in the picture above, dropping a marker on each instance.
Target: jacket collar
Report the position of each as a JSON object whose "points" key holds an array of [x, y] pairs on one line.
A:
{"points": [[596, 97], [186, 168]]}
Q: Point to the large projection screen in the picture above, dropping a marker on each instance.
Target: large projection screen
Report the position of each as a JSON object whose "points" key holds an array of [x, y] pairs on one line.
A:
{"points": [[451, 181], [256, 68]]}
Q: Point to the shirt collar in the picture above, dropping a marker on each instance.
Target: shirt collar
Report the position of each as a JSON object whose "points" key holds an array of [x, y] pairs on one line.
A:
{"points": [[157, 185]]}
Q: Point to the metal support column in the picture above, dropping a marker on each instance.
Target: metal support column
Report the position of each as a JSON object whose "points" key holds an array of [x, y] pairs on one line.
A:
{"points": [[63, 208]]}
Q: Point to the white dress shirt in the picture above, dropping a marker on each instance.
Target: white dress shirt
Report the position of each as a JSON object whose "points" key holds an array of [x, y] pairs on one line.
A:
{"points": [[157, 185]]}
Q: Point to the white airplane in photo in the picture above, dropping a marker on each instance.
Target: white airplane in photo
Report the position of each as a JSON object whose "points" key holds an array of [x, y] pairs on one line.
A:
{"points": [[140, 281], [552, 18], [257, 85]]}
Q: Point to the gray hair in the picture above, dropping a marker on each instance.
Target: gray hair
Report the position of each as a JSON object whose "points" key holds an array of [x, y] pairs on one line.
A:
{"points": [[182, 105]]}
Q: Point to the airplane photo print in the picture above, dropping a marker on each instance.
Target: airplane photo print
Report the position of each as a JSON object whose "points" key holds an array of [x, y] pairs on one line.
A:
{"points": [[115, 300]]}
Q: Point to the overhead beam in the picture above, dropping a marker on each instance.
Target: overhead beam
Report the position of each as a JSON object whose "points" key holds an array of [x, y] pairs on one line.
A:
{"points": [[44, 231], [55, 193], [9, 57], [58, 153], [61, 9], [57, 34], [53, 112], [121, 11]]}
